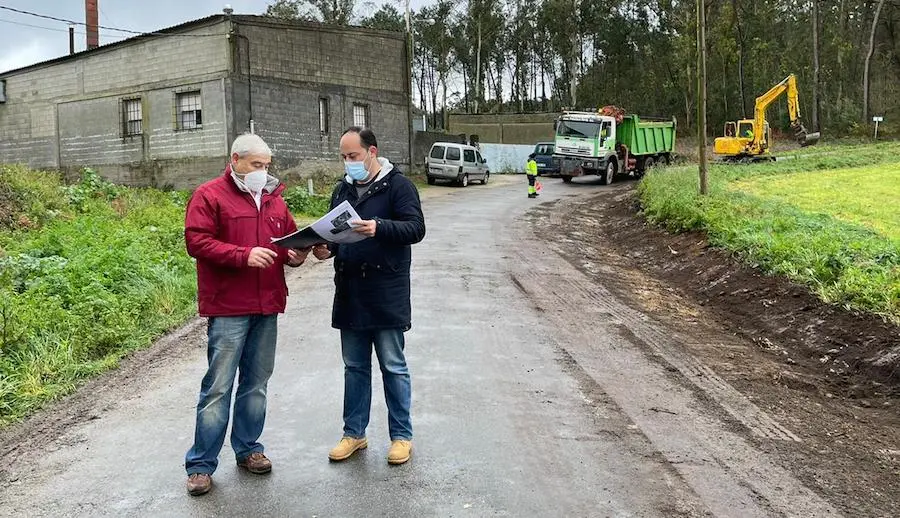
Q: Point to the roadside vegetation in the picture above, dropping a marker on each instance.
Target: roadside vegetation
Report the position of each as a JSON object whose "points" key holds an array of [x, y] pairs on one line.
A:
{"points": [[88, 273], [826, 217]]}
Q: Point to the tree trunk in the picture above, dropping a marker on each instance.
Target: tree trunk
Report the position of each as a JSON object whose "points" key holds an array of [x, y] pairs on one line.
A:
{"points": [[842, 17], [543, 85], [573, 76], [478, 68], [444, 102], [466, 88], [869, 62], [816, 94], [740, 32], [725, 83], [423, 99]]}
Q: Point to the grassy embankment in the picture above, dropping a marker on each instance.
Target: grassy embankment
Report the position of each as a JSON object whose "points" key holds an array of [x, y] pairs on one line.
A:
{"points": [[88, 273], [827, 217]]}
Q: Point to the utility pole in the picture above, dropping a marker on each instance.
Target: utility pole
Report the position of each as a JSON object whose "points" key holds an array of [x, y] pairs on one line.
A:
{"points": [[701, 92]]}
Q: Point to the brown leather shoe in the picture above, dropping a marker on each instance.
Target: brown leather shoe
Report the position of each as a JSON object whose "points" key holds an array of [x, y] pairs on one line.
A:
{"points": [[257, 463], [199, 484]]}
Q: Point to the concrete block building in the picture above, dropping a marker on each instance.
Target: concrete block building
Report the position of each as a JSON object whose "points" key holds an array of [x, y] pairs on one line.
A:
{"points": [[161, 109]]}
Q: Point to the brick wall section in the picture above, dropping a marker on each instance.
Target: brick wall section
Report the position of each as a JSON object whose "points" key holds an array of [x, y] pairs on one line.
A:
{"points": [[295, 65], [90, 135]]}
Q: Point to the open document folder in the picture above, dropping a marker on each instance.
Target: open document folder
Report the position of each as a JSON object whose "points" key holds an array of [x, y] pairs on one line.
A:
{"points": [[333, 227]]}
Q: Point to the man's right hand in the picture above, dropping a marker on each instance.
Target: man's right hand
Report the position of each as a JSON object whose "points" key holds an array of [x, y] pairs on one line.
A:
{"points": [[261, 257], [321, 252]]}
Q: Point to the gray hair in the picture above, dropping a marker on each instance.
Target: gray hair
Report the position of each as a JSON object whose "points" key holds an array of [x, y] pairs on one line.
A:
{"points": [[250, 144]]}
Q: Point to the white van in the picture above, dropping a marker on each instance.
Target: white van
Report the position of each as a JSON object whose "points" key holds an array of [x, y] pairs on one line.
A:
{"points": [[457, 163]]}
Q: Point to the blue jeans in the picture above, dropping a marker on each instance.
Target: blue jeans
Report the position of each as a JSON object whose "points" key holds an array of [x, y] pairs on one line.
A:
{"points": [[247, 344], [356, 347]]}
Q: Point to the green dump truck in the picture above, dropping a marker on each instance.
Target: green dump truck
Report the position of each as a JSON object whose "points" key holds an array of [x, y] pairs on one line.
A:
{"points": [[610, 143]]}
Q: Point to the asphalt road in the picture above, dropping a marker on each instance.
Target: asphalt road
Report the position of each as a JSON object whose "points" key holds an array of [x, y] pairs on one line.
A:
{"points": [[535, 393]]}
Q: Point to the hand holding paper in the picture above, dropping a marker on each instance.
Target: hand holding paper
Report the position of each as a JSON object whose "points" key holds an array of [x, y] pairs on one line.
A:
{"points": [[366, 227], [333, 227]]}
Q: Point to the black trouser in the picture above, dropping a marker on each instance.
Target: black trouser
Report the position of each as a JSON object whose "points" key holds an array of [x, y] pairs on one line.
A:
{"points": [[531, 180]]}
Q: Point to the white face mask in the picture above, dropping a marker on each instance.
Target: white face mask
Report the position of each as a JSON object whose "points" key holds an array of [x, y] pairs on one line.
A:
{"points": [[256, 180]]}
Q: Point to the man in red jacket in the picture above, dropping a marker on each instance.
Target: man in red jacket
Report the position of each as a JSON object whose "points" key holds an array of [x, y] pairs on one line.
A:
{"points": [[241, 289]]}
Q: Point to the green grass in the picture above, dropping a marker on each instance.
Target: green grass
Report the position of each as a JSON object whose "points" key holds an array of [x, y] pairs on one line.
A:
{"points": [[88, 273], [869, 196], [306, 207], [826, 218]]}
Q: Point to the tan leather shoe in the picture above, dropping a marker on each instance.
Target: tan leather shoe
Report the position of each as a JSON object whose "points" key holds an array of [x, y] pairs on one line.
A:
{"points": [[257, 463], [400, 452], [199, 484], [347, 447]]}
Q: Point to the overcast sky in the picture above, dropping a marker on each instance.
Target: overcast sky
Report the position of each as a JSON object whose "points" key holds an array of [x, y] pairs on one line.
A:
{"points": [[25, 40]]}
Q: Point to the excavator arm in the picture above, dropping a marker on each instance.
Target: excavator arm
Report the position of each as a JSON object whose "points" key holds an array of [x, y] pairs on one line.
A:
{"points": [[789, 85]]}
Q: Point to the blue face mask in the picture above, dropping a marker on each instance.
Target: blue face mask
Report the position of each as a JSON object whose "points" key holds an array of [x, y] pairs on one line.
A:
{"points": [[356, 170]]}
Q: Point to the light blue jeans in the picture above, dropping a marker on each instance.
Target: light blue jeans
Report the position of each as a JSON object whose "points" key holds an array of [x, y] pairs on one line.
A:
{"points": [[357, 347], [245, 344]]}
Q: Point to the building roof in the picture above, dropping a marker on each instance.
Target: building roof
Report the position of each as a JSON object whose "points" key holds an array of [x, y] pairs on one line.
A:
{"points": [[238, 19]]}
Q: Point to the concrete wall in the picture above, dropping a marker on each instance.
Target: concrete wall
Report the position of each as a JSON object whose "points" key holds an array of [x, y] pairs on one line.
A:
{"points": [[506, 158], [66, 114], [90, 135], [295, 65], [504, 128]]}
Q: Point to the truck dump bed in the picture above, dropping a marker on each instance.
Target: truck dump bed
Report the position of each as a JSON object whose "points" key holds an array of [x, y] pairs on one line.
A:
{"points": [[647, 136]]}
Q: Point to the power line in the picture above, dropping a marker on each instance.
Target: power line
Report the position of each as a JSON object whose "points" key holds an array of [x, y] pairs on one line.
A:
{"points": [[23, 24], [73, 22]]}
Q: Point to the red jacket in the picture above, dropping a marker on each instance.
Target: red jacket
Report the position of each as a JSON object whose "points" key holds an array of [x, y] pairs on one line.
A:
{"points": [[221, 226]]}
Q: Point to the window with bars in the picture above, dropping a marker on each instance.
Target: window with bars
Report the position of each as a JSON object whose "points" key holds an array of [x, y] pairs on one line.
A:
{"points": [[188, 111], [323, 115], [132, 117], [361, 115]]}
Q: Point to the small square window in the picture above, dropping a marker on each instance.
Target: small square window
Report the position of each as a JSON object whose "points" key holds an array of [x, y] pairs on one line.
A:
{"points": [[323, 115], [361, 115], [132, 117], [188, 111]]}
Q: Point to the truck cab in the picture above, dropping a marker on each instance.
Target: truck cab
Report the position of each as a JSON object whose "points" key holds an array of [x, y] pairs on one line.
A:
{"points": [[585, 144], [611, 142]]}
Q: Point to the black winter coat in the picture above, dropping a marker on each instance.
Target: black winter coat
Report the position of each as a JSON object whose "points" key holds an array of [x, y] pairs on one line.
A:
{"points": [[372, 287]]}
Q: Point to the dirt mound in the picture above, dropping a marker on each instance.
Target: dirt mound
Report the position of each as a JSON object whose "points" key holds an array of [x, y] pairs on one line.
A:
{"points": [[825, 348]]}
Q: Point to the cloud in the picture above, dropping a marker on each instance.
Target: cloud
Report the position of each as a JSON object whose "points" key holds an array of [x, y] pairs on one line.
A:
{"points": [[27, 53]]}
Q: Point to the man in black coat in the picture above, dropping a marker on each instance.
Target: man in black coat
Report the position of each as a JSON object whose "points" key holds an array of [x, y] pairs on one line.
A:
{"points": [[372, 291]]}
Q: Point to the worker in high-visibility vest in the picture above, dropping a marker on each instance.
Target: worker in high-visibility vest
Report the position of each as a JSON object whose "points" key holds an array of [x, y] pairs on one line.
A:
{"points": [[531, 172]]}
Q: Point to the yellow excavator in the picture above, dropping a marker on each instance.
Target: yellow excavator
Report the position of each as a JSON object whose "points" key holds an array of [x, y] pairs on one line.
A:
{"points": [[748, 140]]}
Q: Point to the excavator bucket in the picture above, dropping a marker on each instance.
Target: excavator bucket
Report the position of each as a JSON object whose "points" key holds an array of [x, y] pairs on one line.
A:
{"points": [[804, 138], [810, 139]]}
